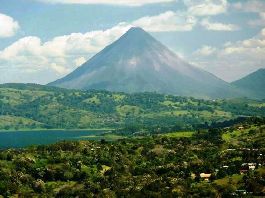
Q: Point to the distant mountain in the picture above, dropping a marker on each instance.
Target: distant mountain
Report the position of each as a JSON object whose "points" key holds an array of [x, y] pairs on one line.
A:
{"points": [[253, 84], [138, 63]]}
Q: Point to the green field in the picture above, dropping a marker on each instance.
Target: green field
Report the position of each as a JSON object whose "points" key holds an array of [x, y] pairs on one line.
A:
{"points": [[25, 107], [233, 179], [185, 134], [236, 136]]}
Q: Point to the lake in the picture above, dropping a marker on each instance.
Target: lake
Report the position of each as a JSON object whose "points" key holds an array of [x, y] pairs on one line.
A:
{"points": [[20, 139]]}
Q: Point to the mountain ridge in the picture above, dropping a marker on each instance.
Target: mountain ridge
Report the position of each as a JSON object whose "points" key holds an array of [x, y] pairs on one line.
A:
{"points": [[253, 85]]}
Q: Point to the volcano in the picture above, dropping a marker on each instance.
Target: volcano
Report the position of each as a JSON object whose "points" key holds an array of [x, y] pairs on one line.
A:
{"points": [[137, 62]]}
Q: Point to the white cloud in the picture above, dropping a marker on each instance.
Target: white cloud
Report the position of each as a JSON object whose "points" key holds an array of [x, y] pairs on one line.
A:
{"points": [[250, 6], [254, 47], [59, 54], [258, 22], [205, 51], [168, 21], [59, 68], [216, 26], [206, 7], [253, 6], [109, 2], [79, 61], [8, 26], [62, 54], [235, 59]]}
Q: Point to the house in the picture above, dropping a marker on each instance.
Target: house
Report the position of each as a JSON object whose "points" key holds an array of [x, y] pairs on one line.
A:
{"points": [[252, 166], [193, 176], [241, 192], [243, 171], [245, 167], [240, 128], [230, 149], [205, 176]]}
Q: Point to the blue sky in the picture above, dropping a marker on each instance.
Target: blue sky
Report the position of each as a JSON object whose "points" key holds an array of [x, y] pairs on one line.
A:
{"points": [[42, 40]]}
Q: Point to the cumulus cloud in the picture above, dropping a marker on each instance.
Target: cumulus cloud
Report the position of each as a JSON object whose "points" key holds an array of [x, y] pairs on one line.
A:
{"points": [[59, 54], [258, 22], [253, 6], [234, 59], [79, 61], [205, 51], [206, 7], [254, 47], [216, 26], [59, 68], [109, 2], [250, 6], [168, 21], [8, 26], [64, 53]]}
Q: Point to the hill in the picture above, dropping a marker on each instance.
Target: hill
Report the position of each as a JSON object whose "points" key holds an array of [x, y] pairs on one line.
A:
{"points": [[253, 84], [164, 165], [29, 106], [138, 63]]}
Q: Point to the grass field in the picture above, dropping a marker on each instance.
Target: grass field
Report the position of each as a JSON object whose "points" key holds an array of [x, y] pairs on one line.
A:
{"points": [[184, 134], [232, 136], [234, 179]]}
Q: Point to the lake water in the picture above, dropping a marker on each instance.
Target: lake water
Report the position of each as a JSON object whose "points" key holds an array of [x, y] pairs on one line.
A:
{"points": [[19, 139]]}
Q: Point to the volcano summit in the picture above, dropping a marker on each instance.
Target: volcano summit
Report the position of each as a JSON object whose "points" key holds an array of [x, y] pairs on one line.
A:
{"points": [[137, 62]]}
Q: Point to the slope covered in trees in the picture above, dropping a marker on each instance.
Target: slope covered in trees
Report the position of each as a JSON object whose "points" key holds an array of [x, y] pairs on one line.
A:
{"points": [[208, 164], [42, 107]]}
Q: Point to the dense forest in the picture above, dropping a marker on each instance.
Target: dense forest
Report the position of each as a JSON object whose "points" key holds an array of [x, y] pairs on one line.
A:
{"points": [[218, 162], [42, 107]]}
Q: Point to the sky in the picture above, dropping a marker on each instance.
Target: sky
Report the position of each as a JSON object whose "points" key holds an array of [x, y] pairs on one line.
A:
{"points": [[43, 40]]}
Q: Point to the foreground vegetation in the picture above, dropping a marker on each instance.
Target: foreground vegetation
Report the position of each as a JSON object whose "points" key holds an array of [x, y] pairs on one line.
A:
{"points": [[168, 165], [25, 107]]}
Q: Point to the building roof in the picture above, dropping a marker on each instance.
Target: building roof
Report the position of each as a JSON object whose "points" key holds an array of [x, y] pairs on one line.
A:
{"points": [[205, 175]]}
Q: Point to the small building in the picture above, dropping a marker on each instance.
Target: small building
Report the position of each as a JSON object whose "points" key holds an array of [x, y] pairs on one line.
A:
{"points": [[230, 149], [245, 167], [241, 192], [252, 166], [240, 128], [243, 171], [205, 176]]}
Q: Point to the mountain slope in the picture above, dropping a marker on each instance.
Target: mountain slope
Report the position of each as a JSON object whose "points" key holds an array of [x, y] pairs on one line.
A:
{"points": [[253, 84], [138, 63]]}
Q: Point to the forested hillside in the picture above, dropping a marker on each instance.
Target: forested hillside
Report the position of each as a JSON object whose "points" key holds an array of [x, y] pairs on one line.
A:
{"points": [[42, 107], [224, 162]]}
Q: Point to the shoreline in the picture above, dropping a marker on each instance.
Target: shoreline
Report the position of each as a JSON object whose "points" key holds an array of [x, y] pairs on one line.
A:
{"points": [[55, 130]]}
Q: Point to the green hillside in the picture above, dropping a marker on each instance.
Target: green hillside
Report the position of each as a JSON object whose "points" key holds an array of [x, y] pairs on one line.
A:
{"points": [[28, 106], [166, 165]]}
